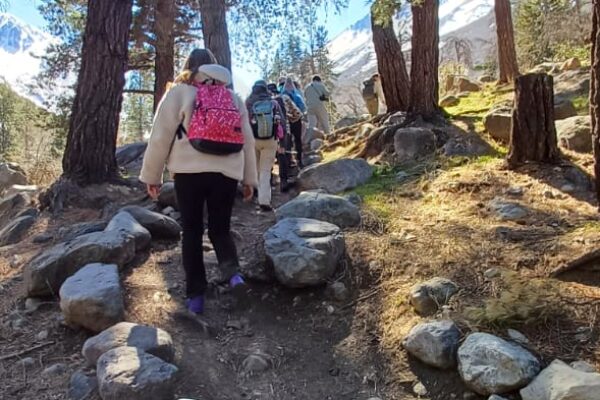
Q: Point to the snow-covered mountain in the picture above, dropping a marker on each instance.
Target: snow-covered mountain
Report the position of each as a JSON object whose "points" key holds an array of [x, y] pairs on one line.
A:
{"points": [[21, 46], [352, 51]]}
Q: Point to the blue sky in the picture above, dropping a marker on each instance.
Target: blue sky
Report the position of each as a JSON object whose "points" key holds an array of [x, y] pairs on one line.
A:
{"points": [[244, 75]]}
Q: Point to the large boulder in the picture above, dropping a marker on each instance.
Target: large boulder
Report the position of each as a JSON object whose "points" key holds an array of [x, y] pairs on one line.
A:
{"points": [[572, 84], [427, 297], [497, 123], [93, 298], [14, 231], [44, 275], [11, 174], [463, 84], [147, 338], [124, 223], [130, 153], [563, 108], [467, 145], [561, 382], [489, 365], [434, 343], [323, 207], [575, 134], [304, 252], [67, 233], [159, 225], [132, 374], [411, 144], [11, 206], [572, 64], [335, 176]]}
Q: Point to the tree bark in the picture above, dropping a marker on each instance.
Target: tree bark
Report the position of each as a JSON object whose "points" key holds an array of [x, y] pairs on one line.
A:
{"points": [[424, 80], [164, 64], [595, 93], [391, 66], [214, 30], [507, 55], [90, 151], [533, 134]]}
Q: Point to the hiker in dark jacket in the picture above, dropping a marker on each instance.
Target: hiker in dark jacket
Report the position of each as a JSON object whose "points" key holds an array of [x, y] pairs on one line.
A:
{"points": [[285, 147]]}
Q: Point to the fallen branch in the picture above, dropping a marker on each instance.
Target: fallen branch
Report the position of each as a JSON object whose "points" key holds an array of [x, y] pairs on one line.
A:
{"points": [[578, 262], [23, 352]]}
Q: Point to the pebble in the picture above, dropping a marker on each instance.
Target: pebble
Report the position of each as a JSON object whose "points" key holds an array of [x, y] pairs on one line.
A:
{"points": [[420, 389], [296, 301], [43, 335], [330, 309], [54, 370], [517, 336], [338, 291], [515, 191], [32, 304], [26, 362], [255, 363], [491, 273]]}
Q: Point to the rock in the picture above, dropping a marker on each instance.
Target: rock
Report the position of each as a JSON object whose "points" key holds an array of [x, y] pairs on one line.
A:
{"points": [[508, 211], [364, 131], [575, 134], [517, 336], [93, 298], [15, 230], [26, 363], [130, 373], [73, 231], [466, 145], [11, 174], [312, 159], [167, 196], [395, 119], [32, 304], [463, 84], [496, 397], [124, 223], [487, 79], [336, 176], [583, 366], [11, 206], [571, 64], [316, 144], [304, 252], [580, 179], [490, 365], [492, 273], [152, 340], [516, 191], [420, 390], [168, 210], [42, 335], [160, 226], [42, 238], [323, 207], [426, 297], [567, 188], [255, 363], [44, 275], [54, 370], [497, 123], [561, 382], [338, 291], [130, 152], [28, 189], [563, 108], [449, 101], [346, 121], [434, 343], [354, 198], [411, 144], [82, 386], [572, 84]]}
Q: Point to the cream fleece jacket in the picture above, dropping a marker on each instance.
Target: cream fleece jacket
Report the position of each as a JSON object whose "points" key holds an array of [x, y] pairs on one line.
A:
{"points": [[179, 155]]}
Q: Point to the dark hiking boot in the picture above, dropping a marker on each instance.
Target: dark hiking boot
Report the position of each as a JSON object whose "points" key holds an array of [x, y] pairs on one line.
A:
{"points": [[266, 208]]}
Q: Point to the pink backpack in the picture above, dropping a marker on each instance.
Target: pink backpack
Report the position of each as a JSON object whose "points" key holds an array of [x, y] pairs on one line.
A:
{"points": [[216, 125]]}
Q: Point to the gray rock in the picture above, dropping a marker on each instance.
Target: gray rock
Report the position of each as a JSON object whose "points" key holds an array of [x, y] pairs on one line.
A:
{"points": [[427, 297], [124, 223], [130, 373], [575, 133], [583, 366], [26, 363], [316, 144], [44, 275], [42, 335], [160, 226], [15, 230], [255, 363], [54, 370], [304, 252], [32, 304], [508, 211], [11, 174], [515, 191], [147, 338], [167, 196], [434, 343], [346, 121], [338, 291], [497, 123], [561, 382], [42, 238], [82, 386], [411, 144], [130, 153], [496, 397], [420, 390], [323, 207], [83, 228], [11, 206], [312, 159], [580, 179], [335, 176], [449, 101], [517, 336], [93, 298], [490, 365], [466, 145], [563, 108], [572, 84]]}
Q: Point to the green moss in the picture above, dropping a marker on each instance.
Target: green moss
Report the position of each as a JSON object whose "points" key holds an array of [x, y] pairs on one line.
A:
{"points": [[477, 104], [582, 105]]}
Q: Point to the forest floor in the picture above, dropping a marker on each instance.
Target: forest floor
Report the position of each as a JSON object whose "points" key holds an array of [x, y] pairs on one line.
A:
{"points": [[433, 219]]}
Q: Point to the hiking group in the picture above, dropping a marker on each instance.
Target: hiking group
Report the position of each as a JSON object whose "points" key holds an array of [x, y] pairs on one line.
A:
{"points": [[211, 141]]}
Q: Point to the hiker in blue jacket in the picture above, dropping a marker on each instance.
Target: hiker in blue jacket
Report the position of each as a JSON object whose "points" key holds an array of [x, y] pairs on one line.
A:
{"points": [[289, 90]]}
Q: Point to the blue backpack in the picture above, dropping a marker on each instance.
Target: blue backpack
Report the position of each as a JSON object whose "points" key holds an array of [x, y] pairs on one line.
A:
{"points": [[263, 119]]}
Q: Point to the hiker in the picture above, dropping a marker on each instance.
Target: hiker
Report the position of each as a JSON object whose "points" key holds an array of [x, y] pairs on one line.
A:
{"points": [[372, 94], [267, 125], [202, 133], [285, 146], [290, 92], [316, 97]]}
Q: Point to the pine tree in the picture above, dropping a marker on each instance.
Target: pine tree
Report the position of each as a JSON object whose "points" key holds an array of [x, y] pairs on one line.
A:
{"points": [[507, 54]]}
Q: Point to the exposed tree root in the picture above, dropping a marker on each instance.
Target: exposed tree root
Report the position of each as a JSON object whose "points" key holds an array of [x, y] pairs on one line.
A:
{"points": [[577, 263]]}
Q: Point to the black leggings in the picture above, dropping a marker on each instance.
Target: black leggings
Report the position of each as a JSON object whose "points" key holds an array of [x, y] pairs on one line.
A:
{"points": [[296, 130], [218, 192]]}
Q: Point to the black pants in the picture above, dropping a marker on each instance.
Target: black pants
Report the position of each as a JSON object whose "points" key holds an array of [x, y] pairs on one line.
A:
{"points": [[218, 193], [296, 130]]}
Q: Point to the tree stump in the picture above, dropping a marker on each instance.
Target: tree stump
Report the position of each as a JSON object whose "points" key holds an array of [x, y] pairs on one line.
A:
{"points": [[595, 94], [533, 134]]}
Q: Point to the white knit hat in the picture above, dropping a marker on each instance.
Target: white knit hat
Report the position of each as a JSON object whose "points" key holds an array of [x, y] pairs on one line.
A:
{"points": [[216, 72]]}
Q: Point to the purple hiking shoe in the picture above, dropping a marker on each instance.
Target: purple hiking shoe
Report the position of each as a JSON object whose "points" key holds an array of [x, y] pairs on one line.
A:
{"points": [[240, 291], [196, 304]]}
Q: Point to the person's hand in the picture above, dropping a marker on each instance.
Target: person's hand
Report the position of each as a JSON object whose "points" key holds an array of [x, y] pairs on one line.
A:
{"points": [[153, 191], [248, 193]]}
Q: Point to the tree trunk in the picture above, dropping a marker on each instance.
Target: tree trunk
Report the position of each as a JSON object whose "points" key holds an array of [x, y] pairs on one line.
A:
{"points": [[90, 151], [391, 66], [424, 87], [533, 134], [214, 30], [595, 93], [507, 55], [164, 64]]}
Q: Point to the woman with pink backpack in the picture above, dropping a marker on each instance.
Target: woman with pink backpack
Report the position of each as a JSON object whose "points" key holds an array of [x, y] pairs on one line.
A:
{"points": [[201, 132]]}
